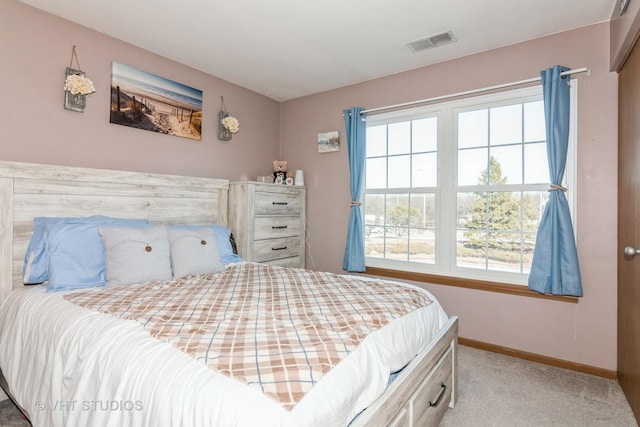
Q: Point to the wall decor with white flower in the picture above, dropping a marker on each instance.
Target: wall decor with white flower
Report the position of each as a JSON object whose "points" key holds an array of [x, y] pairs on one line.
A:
{"points": [[76, 86], [227, 124]]}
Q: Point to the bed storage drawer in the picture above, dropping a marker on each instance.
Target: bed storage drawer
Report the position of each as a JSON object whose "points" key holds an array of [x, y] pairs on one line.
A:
{"points": [[403, 419], [432, 397]]}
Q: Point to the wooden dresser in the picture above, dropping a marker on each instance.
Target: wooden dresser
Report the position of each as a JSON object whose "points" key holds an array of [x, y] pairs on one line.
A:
{"points": [[268, 222]]}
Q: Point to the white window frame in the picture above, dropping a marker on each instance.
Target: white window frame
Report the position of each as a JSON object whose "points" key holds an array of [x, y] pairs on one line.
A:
{"points": [[446, 191]]}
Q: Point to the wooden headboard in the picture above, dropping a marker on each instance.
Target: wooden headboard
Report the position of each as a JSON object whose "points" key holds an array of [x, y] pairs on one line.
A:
{"points": [[30, 190]]}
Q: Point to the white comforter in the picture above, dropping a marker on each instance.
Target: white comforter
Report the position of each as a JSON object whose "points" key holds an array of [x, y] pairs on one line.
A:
{"points": [[69, 366]]}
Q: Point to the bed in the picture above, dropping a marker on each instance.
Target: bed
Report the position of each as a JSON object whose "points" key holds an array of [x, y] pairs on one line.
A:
{"points": [[65, 362]]}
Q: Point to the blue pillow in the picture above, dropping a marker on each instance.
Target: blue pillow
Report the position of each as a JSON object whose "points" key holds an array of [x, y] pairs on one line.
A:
{"points": [[36, 261], [223, 240], [76, 253], [34, 268]]}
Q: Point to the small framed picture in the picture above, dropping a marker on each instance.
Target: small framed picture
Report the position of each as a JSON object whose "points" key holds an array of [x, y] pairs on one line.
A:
{"points": [[328, 141]]}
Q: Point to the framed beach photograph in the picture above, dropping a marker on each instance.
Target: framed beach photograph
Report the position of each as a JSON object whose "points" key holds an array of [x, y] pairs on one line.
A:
{"points": [[328, 141], [146, 101]]}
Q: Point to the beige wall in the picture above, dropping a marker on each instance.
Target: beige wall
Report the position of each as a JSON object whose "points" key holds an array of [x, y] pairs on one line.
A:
{"points": [[35, 49], [584, 332]]}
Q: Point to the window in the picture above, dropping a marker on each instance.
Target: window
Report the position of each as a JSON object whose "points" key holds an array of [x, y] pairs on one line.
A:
{"points": [[459, 188]]}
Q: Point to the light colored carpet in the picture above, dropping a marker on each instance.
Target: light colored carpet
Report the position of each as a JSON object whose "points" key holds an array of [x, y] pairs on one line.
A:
{"points": [[497, 390], [501, 391], [10, 416]]}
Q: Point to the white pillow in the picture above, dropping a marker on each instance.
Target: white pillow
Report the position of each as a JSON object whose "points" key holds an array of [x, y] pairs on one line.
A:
{"points": [[194, 251], [136, 255]]}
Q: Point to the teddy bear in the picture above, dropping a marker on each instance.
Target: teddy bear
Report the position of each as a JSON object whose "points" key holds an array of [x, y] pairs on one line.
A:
{"points": [[280, 174]]}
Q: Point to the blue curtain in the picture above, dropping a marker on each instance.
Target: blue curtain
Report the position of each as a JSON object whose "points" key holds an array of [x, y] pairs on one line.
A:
{"points": [[356, 146], [554, 269]]}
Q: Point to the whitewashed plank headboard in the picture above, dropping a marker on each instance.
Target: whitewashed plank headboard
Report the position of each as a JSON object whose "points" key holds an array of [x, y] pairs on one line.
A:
{"points": [[30, 190]]}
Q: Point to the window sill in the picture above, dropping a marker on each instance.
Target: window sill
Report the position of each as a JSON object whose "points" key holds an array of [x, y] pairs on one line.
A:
{"points": [[482, 285]]}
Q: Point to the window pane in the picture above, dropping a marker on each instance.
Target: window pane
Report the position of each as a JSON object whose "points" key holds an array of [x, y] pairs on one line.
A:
{"points": [[472, 166], [536, 167], [496, 230], [425, 205], [374, 209], [503, 212], [374, 242], [473, 129], [505, 253], [471, 234], [396, 245], [422, 219], [509, 164], [425, 170], [472, 210], [377, 141], [506, 125], [376, 170], [466, 201], [397, 211], [422, 246], [470, 249], [399, 172], [396, 232], [533, 203], [399, 138], [425, 135], [374, 218], [534, 128], [529, 242]]}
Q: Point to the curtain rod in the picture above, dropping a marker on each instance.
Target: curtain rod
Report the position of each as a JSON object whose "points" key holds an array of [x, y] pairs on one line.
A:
{"points": [[474, 91]]}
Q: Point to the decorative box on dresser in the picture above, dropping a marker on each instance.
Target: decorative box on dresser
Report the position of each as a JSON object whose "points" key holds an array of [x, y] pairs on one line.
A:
{"points": [[268, 222]]}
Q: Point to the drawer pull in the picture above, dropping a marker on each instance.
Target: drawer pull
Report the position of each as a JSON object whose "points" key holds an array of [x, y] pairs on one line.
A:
{"points": [[278, 227], [279, 249], [280, 203], [442, 393]]}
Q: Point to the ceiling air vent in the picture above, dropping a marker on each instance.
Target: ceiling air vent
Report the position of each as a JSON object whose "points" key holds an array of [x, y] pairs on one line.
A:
{"points": [[431, 41]]}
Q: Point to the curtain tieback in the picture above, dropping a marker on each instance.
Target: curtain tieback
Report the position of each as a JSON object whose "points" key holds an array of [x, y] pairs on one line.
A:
{"points": [[553, 187], [355, 203]]}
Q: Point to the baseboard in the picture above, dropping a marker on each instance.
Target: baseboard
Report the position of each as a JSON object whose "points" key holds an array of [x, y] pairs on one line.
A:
{"points": [[538, 358]]}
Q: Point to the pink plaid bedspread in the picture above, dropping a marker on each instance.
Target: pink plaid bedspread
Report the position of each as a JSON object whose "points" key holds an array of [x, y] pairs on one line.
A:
{"points": [[274, 328]]}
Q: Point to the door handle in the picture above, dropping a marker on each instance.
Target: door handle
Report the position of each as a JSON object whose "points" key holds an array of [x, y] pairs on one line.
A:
{"points": [[630, 252]]}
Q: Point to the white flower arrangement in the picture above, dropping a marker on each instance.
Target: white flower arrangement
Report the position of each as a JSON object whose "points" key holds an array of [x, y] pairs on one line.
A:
{"points": [[78, 85], [231, 124]]}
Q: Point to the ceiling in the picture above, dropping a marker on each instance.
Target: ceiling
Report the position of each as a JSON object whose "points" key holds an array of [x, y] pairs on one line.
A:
{"points": [[286, 49]]}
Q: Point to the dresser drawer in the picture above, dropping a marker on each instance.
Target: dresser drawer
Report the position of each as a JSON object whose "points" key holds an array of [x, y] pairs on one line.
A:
{"points": [[270, 249], [286, 262], [270, 227], [276, 203], [432, 398]]}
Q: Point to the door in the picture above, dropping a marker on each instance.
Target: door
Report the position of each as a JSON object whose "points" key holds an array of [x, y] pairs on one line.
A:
{"points": [[629, 229]]}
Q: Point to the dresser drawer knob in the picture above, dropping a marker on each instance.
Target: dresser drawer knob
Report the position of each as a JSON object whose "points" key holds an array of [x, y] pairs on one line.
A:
{"points": [[279, 249], [442, 393], [278, 227], [280, 203]]}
